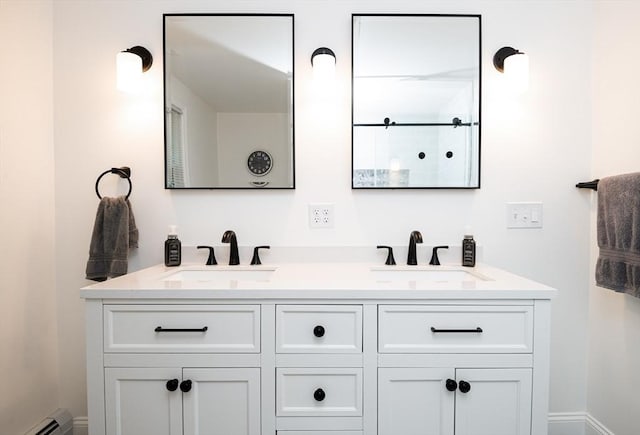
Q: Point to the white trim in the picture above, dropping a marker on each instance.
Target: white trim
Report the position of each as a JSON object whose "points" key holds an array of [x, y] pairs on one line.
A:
{"points": [[575, 423], [80, 426], [594, 427], [560, 423]]}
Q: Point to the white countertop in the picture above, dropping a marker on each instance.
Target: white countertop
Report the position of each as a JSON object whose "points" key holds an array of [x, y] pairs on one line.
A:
{"points": [[319, 280]]}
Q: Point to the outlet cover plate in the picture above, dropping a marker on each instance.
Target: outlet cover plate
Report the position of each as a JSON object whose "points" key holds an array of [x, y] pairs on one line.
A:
{"points": [[524, 215], [321, 215]]}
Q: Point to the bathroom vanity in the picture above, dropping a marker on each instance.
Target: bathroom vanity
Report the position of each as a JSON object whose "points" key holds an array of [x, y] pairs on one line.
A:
{"points": [[318, 349]]}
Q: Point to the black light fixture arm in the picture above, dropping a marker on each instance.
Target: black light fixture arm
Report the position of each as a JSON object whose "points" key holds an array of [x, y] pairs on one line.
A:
{"points": [[501, 55], [322, 50], [145, 55]]}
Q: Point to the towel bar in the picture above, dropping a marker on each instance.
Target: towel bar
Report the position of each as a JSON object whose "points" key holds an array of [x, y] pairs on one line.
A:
{"points": [[588, 184], [123, 172]]}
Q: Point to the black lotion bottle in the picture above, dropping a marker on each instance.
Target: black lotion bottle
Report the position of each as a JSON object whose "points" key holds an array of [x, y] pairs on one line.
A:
{"points": [[468, 251], [172, 248]]}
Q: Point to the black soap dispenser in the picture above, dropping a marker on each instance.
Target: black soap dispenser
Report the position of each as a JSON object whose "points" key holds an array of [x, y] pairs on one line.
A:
{"points": [[172, 248], [468, 249]]}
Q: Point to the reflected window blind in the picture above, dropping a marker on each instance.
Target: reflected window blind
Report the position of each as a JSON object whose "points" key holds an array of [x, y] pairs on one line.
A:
{"points": [[175, 149]]}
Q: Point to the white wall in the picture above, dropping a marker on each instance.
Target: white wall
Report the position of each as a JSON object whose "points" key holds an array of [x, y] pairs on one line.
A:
{"points": [[28, 341], [614, 319], [533, 149]]}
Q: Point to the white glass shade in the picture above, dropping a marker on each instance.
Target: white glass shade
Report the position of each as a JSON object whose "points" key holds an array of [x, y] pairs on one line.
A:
{"points": [[129, 71], [516, 72], [324, 66]]}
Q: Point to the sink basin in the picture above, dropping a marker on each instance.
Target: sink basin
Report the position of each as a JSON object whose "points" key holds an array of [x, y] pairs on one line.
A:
{"points": [[222, 274], [424, 274]]}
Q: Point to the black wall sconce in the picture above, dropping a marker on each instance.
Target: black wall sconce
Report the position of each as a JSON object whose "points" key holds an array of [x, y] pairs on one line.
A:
{"points": [[131, 64], [514, 64], [323, 61]]}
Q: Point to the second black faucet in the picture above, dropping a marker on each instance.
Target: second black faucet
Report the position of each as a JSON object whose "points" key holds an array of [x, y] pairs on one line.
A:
{"points": [[230, 237]]}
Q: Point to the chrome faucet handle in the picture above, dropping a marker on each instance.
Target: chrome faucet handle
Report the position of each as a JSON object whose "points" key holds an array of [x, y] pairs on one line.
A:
{"points": [[211, 260], [256, 258], [390, 260], [435, 261]]}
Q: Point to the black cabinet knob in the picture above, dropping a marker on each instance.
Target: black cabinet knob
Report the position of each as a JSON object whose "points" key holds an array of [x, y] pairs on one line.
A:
{"points": [[319, 395], [318, 331], [185, 386], [451, 385], [464, 386], [172, 385]]}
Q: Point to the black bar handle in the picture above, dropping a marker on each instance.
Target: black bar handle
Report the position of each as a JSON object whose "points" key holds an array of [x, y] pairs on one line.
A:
{"points": [[588, 184], [477, 330], [161, 329]]}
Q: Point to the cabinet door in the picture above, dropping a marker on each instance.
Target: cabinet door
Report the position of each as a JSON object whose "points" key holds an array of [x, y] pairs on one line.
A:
{"points": [[222, 401], [415, 401], [498, 402], [137, 401]]}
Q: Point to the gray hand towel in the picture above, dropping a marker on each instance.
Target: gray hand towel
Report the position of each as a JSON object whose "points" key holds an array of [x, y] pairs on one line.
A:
{"points": [[114, 233], [618, 265]]}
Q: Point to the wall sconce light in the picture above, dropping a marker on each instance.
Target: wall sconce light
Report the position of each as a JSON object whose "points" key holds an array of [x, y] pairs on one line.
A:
{"points": [[131, 64], [323, 61], [515, 66]]}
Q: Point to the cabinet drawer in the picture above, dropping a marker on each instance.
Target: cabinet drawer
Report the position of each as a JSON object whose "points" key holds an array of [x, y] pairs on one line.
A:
{"points": [[319, 329], [182, 328], [318, 392], [455, 329]]}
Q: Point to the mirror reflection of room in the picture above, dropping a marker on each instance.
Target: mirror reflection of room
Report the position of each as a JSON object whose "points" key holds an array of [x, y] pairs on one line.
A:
{"points": [[229, 101], [416, 101]]}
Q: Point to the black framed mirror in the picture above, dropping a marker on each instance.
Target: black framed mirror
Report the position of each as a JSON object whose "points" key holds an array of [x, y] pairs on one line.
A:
{"points": [[228, 94], [416, 89]]}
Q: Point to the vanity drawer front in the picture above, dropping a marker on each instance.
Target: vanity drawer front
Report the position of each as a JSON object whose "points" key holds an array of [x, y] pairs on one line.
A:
{"points": [[319, 329], [455, 329], [316, 392], [182, 328]]}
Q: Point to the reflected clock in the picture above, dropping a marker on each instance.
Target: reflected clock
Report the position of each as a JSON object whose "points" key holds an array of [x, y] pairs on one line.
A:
{"points": [[259, 163]]}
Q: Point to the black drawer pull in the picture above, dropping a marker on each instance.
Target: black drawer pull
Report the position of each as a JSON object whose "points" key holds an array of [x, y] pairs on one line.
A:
{"points": [[161, 329], [318, 331], [319, 395], [172, 385], [477, 330]]}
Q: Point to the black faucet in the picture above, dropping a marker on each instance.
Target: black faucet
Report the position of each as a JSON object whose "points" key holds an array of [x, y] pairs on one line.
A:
{"points": [[414, 237], [230, 237], [211, 260]]}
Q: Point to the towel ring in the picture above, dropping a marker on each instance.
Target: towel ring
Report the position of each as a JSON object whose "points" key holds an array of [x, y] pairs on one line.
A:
{"points": [[123, 172]]}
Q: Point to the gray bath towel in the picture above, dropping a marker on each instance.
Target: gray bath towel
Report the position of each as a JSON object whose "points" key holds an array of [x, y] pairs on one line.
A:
{"points": [[114, 233], [618, 265]]}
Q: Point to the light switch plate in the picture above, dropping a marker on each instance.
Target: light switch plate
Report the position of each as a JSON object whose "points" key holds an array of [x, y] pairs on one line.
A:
{"points": [[524, 215]]}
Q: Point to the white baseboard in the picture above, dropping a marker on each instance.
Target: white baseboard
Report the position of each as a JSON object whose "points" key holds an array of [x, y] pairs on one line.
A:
{"points": [[80, 426], [594, 427], [575, 423], [560, 423]]}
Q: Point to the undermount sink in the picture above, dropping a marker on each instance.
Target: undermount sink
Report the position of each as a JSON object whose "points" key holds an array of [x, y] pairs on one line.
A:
{"points": [[432, 274], [221, 273]]}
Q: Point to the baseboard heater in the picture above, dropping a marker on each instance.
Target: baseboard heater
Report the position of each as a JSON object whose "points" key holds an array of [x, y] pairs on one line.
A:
{"points": [[58, 423]]}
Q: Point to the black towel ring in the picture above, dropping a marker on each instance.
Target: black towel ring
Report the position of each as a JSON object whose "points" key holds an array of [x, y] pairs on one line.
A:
{"points": [[123, 172]]}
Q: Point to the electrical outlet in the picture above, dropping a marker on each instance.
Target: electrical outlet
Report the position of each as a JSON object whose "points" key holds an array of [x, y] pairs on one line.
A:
{"points": [[321, 216]]}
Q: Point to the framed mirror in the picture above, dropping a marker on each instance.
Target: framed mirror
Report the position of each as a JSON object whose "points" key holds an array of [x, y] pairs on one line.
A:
{"points": [[416, 101], [228, 94]]}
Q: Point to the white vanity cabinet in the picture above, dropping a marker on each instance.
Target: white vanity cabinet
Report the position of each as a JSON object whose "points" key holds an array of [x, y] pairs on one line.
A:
{"points": [[297, 361], [175, 401], [455, 369], [179, 369]]}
